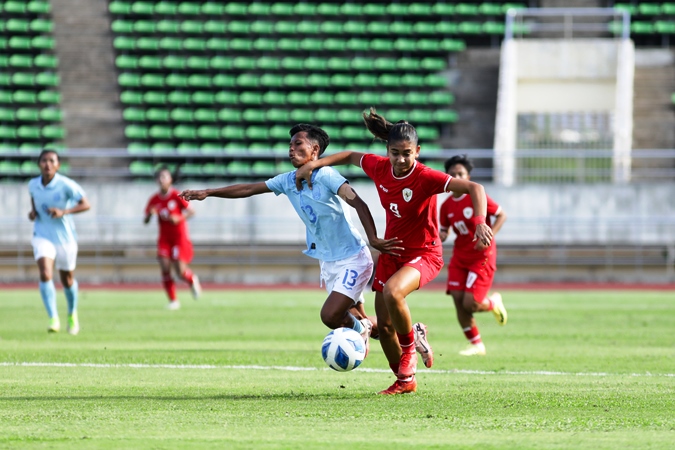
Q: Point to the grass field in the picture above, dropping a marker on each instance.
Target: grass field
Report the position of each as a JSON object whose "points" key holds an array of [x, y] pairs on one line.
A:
{"points": [[242, 369]]}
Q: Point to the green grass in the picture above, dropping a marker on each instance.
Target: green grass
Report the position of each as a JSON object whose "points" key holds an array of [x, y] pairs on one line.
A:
{"points": [[581, 370]]}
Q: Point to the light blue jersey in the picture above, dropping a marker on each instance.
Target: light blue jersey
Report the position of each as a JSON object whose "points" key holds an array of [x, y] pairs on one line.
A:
{"points": [[331, 236], [61, 193]]}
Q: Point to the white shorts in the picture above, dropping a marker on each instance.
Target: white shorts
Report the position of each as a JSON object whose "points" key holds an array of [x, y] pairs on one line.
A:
{"points": [[64, 256], [348, 276]]}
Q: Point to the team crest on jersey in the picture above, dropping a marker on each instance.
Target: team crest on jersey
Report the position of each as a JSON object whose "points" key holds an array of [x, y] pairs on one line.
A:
{"points": [[468, 212], [407, 194], [316, 192], [171, 204]]}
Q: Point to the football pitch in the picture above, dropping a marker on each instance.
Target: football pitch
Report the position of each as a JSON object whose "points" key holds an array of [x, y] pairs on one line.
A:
{"points": [[242, 369]]}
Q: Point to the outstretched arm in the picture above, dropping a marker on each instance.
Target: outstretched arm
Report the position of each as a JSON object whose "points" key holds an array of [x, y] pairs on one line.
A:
{"points": [[483, 232], [336, 159], [234, 191], [390, 246]]}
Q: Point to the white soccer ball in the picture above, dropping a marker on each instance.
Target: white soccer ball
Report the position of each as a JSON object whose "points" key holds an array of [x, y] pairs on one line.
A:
{"points": [[343, 349]]}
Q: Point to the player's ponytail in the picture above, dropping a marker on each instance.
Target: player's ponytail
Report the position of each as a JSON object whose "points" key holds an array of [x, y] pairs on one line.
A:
{"points": [[389, 132]]}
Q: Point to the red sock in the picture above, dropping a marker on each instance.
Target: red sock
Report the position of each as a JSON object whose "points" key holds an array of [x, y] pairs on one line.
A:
{"points": [[169, 287], [406, 341], [187, 276], [472, 334], [490, 303], [394, 368]]}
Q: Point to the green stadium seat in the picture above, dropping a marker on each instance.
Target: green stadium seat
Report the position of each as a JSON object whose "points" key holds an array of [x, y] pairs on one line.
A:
{"points": [[318, 80], [168, 8], [189, 8], [233, 132], [389, 80], [250, 98], [166, 26], [131, 98], [19, 43], [7, 132], [15, 7], [239, 27], [397, 9], [139, 7], [305, 9], [273, 98], [301, 116], [346, 98], [10, 167], [288, 44], [192, 27], [51, 115], [152, 80], [265, 44], [298, 98], [203, 98], [354, 27], [199, 81], [226, 98], [160, 132], [144, 26], [176, 80], [185, 132], [7, 115], [224, 80], [141, 168], [356, 44], [209, 132], [198, 63], [154, 98], [38, 7], [445, 115], [21, 96], [157, 115], [314, 64], [53, 132], [294, 81], [126, 62], [28, 114], [259, 9], [122, 26], [134, 114], [181, 115], [150, 62], [328, 9], [221, 63], [349, 115], [42, 25], [321, 98], [325, 115], [246, 80], [28, 132], [42, 43], [311, 44], [17, 25], [215, 27], [29, 168], [331, 27], [119, 7]]}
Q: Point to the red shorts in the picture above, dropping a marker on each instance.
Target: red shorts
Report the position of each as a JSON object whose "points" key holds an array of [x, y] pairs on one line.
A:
{"points": [[476, 278], [175, 251], [429, 266]]}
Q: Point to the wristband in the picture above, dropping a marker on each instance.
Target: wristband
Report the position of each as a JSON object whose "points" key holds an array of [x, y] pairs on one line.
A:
{"points": [[478, 220]]}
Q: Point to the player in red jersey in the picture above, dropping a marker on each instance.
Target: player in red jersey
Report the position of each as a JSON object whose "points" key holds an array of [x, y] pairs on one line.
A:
{"points": [[174, 247], [473, 264], [407, 191]]}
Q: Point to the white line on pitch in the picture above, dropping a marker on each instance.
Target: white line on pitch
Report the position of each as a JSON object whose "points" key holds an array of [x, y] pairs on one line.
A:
{"points": [[307, 369]]}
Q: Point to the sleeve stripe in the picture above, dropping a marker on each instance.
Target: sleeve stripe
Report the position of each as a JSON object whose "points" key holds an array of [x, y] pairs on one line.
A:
{"points": [[447, 184]]}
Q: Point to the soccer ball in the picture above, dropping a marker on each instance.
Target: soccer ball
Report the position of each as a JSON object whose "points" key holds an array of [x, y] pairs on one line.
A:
{"points": [[343, 349]]}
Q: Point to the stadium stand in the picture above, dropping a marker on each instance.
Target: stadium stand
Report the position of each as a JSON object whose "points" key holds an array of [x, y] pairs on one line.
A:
{"points": [[209, 75], [30, 115]]}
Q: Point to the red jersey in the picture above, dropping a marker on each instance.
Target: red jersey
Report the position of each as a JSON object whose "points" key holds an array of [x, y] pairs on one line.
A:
{"points": [[166, 206], [458, 212], [410, 202]]}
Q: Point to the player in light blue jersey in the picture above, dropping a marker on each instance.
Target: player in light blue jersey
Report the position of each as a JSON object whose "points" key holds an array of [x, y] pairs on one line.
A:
{"points": [[345, 261], [54, 198]]}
